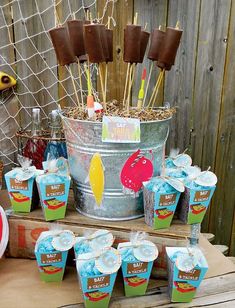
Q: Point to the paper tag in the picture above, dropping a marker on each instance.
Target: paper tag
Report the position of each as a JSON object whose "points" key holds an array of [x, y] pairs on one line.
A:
{"points": [[182, 160], [202, 195], [109, 261], [146, 251], [167, 199], [55, 190], [63, 241], [18, 185], [137, 268], [120, 130], [98, 282], [186, 262], [194, 274], [101, 239], [48, 258]]}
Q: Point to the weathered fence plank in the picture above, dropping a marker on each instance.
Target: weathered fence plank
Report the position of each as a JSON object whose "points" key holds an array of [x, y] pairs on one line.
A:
{"points": [[8, 104], [179, 82], [46, 60], [232, 242], [123, 14], [29, 85], [151, 13], [213, 28], [200, 83], [223, 206]]}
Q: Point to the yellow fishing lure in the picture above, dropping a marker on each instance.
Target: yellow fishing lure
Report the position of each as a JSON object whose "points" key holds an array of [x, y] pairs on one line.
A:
{"points": [[96, 177], [6, 81]]}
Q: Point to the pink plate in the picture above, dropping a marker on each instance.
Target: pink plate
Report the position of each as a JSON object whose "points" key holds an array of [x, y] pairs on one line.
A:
{"points": [[4, 231]]}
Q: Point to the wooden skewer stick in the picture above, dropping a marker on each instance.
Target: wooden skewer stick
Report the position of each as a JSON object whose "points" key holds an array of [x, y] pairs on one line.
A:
{"points": [[150, 74], [57, 23], [132, 71], [132, 77], [79, 70], [74, 86], [102, 86], [135, 18], [177, 26], [147, 86], [105, 82], [163, 173], [80, 81], [128, 86], [154, 90], [157, 89], [106, 70], [126, 82]]}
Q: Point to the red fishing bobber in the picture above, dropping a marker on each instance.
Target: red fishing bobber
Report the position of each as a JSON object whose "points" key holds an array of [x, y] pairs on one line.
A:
{"points": [[98, 107]]}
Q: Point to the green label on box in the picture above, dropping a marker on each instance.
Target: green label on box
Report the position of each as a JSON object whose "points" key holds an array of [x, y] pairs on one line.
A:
{"points": [[137, 268], [55, 190], [202, 195], [120, 130], [98, 282], [48, 258], [18, 185], [168, 199]]}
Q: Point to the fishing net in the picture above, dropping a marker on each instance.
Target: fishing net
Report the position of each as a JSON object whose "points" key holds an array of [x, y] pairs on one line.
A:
{"points": [[27, 54]]}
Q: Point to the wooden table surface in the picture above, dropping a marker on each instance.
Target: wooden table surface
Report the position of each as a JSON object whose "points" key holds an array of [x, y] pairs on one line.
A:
{"points": [[21, 287]]}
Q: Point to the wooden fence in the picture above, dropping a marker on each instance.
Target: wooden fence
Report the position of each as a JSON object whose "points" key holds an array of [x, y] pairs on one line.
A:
{"points": [[201, 85]]}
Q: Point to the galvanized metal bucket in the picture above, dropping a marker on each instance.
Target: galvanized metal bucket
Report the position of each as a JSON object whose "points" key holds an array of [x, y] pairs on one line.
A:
{"points": [[84, 139]]}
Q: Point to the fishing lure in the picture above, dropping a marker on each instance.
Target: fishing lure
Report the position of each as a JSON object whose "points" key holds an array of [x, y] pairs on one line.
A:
{"points": [[6, 81], [96, 177], [141, 91], [135, 171]]}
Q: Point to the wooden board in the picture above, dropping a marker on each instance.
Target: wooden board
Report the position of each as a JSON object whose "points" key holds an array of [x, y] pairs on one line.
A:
{"points": [[223, 207], [179, 82], [123, 14], [29, 85], [232, 242], [153, 13], [216, 291], [211, 54], [25, 229], [9, 107]]}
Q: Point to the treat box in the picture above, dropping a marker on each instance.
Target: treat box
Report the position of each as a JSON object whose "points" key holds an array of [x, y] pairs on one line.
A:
{"points": [[159, 208], [51, 265], [193, 204], [97, 290], [23, 194], [136, 277], [182, 286], [24, 232], [53, 196]]}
